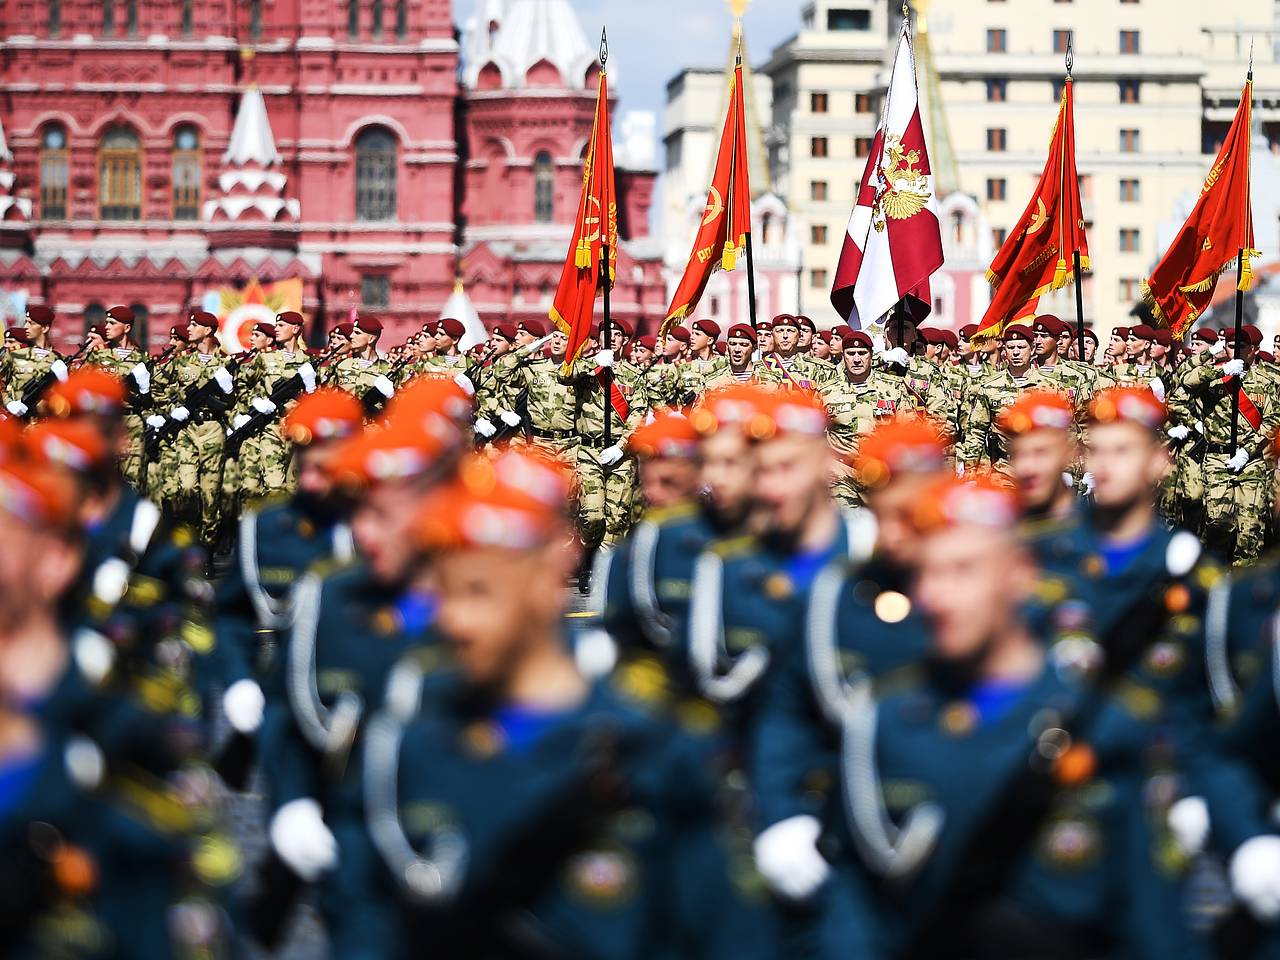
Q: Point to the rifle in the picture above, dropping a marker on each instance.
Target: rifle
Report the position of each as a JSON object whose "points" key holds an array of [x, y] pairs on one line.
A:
{"points": [[374, 399], [208, 394], [284, 391], [36, 387]]}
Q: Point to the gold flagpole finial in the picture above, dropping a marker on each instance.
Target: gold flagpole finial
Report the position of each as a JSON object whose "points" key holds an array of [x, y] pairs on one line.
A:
{"points": [[906, 9], [1071, 56], [604, 46]]}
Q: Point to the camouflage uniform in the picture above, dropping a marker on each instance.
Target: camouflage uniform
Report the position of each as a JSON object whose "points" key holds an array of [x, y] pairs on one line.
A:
{"points": [[984, 443], [696, 374], [605, 493], [19, 368], [356, 374], [797, 372], [854, 409], [932, 391], [663, 383], [266, 459], [546, 406], [120, 361]]}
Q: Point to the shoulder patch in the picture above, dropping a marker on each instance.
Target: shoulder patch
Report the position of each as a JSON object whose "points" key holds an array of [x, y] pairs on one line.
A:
{"points": [[733, 547]]}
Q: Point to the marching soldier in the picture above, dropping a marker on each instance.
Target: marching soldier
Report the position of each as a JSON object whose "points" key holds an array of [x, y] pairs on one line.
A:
{"points": [[532, 387], [1041, 426], [120, 356], [921, 377], [30, 369], [985, 443], [704, 365], [787, 367], [362, 372]]}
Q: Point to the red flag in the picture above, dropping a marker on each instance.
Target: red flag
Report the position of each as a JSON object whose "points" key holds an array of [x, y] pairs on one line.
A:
{"points": [[893, 243], [726, 220], [1219, 229], [595, 227], [1038, 254]]}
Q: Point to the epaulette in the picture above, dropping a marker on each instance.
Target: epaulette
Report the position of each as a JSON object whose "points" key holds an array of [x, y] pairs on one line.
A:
{"points": [[909, 676], [272, 501], [1042, 528], [733, 546], [327, 567], [679, 511]]}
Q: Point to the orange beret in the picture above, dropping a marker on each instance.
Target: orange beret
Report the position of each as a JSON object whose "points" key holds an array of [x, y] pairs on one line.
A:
{"points": [[970, 502], [436, 406], [534, 475], [1035, 410], [668, 437], [790, 413], [88, 390], [1128, 405], [36, 496], [382, 454], [903, 445], [736, 404], [326, 414], [67, 444]]}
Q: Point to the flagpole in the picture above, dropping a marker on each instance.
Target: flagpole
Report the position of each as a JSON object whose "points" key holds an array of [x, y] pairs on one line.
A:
{"points": [[606, 326], [751, 263], [1075, 253], [1238, 382]]}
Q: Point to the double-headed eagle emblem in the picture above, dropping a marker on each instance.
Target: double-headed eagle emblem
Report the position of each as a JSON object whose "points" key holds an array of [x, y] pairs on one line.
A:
{"points": [[903, 190]]}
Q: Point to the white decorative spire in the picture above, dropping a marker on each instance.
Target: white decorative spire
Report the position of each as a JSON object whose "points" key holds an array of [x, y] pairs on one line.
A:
{"points": [[460, 308], [251, 139], [4, 146], [15, 210], [529, 32]]}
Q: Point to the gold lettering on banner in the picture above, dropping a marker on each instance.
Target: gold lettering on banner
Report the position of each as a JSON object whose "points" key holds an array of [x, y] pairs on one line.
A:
{"points": [[1214, 174]]}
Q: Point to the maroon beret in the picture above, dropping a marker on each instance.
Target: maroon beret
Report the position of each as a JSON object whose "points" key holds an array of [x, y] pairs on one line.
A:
{"points": [[345, 329], [928, 335], [765, 325], [804, 321], [451, 328], [430, 327], [17, 334], [968, 330], [1265, 356], [507, 331], [1049, 324], [204, 318], [623, 327], [857, 338], [1017, 331], [709, 327], [786, 320], [721, 347], [290, 316], [40, 314], [370, 325], [1206, 335], [98, 329], [1090, 335], [649, 342], [535, 328], [266, 329], [1121, 332], [120, 315], [743, 331], [1251, 333], [1162, 336], [678, 333], [949, 338], [1141, 332]]}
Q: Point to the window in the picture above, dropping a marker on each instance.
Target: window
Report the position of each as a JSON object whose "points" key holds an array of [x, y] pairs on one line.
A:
{"points": [[1129, 41], [375, 290], [108, 18], [817, 146], [186, 173], [402, 19], [848, 19], [997, 41], [375, 175], [998, 236], [817, 103], [53, 173], [817, 189], [255, 19], [140, 317], [997, 90], [1130, 191], [862, 146], [1130, 90], [544, 188], [55, 17], [131, 17], [377, 19], [120, 175], [353, 19], [1060, 40], [94, 314], [997, 187], [1130, 237], [818, 279], [1058, 86], [997, 138], [862, 103], [1130, 141], [1129, 289], [187, 17], [818, 234]]}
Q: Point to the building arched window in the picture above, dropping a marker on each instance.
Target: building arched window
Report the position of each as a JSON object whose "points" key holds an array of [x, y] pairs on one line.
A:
{"points": [[544, 188], [353, 19], [55, 18], [131, 17], [140, 317], [94, 313], [188, 17], [187, 170], [255, 19], [377, 19], [376, 175], [53, 172], [120, 175], [402, 19]]}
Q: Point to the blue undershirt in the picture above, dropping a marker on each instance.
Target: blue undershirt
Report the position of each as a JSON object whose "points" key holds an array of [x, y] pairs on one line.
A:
{"points": [[523, 727], [992, 700], [803, 568], [417, 611], [17, 776], [1121, 554]]}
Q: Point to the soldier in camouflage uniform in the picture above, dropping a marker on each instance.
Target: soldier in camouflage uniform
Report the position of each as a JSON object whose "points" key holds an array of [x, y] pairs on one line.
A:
{"points": [[1137, 370], [363, 369], [704, 365], [857, 398], [498, 353], [19, 367], [736, 366], [1237, 480], [662, 379], [447, 361], [242, 468], [121, 357], [534, 391], [985, 444], [192, 463], [1076, 380], [272, 456], [928, 384], [787, 367]]}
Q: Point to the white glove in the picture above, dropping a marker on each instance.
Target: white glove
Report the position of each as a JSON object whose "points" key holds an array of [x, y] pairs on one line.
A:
{"points": [[181, 414], [788, 859], [1086, 483], [509, 418], [1199, 426], [307, 373], [1157, 388], [485, 427], [59, 369], [465, 383], [603, 359], [302, 840], [243, 703], [240, 420], [1189, 823], [959, 469], [17, 408], [223, 379], [142, 377], [1233, 368], [897, 356], [1178, 432], [1255, 876], [1217, 348], [384, 386], [155, 421], [1068, 480], [263, 405], [1238, 460], [610, 455]]}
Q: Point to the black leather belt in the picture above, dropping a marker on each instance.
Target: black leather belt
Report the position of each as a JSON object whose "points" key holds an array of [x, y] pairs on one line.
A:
{"points": [[551, 434]]}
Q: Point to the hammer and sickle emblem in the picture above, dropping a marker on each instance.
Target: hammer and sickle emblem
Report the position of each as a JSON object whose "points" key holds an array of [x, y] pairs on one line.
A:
{"points": [[1038, 218], [715, 207], [590, 222]]}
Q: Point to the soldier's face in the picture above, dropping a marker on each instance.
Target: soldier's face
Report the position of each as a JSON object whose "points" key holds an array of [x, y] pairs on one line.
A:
{"points": [[259, 340], [969, 585], [499, 345], [764, 341], [1090, 349], [311, 464], [1126, 463], [496, 606], [699, 341], [1198, 346], [1158, 351], [1117, 346], [786, 338], [668, 481], [196, 331], [906, 340], [1037, 460], [34, 330], [804, 338], [1017, 352], [674, 347], [1135, 347], [285, 331], [793, 476], [559, 343], [1046, 344], [524, 337], [728, 466], [857, 360], [115, 330], [821, 349], [739, 351], [641, 356], [360, 340], [380, 527], [617, 341], [1065, 341], [36, 568]]}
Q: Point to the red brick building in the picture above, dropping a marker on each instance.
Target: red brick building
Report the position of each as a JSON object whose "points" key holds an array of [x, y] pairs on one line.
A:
{"points": [[155, 153]]}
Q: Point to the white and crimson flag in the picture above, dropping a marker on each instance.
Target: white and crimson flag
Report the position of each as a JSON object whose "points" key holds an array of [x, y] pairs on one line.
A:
{"points": [[894, 241]]}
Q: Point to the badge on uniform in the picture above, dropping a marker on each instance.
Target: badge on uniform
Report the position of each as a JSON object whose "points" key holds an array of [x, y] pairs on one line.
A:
{"points": [[959, 719], [1165, 658], [1072, 844], [482, 739], [603, 878], [778, 586]]}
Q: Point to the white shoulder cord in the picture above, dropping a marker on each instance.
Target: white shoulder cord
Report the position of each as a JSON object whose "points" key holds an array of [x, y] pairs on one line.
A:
{"points": [[326, 730], [1217, 615], [272, 614], [830, 688], [344, 544], [861, 530], [644, 551], [706, 637]]}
